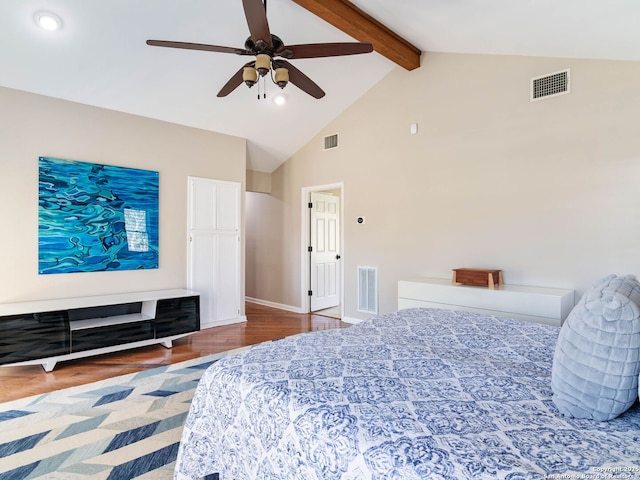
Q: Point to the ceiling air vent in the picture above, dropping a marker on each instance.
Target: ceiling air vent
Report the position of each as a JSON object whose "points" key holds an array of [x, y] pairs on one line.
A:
{"points": [[550, 85], [331, 142]]}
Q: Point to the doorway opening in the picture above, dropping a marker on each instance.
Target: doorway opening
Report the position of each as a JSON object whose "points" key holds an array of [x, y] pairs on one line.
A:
{"points": [[322, 244]]}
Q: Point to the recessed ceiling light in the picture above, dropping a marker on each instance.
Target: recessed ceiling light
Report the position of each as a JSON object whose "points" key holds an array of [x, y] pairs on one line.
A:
{"points": [[280, 99], [48, 21]]}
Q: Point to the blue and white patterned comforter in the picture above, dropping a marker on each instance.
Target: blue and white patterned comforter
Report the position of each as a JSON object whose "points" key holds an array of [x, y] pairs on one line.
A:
{"points": [[417, 394]]}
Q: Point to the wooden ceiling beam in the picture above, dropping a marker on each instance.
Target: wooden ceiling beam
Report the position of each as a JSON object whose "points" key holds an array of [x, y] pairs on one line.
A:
{"points": [[345, 16]]}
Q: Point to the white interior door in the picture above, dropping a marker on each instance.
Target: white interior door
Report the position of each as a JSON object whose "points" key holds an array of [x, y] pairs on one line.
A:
{"points": [[325, 251], [214, 257]]}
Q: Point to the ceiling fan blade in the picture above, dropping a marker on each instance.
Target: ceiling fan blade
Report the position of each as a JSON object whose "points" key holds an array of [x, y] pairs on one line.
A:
{"points": [[301, 81], [234, 82], [315, 50], [256, 14], [198, 46]]}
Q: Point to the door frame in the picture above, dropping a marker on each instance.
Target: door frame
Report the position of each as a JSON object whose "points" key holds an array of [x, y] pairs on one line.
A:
{"points": [[305, 236]]}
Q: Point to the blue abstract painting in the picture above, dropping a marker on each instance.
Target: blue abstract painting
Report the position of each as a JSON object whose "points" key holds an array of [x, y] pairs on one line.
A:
{"points": [[95, 217]]}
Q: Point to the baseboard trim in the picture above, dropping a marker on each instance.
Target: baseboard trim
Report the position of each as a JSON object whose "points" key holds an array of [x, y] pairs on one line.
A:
{"points": [[221, 323], [280, 306], [352, 320]]}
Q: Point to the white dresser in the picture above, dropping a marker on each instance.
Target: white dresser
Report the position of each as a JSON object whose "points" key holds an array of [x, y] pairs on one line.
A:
{"points": [[534, 304]]}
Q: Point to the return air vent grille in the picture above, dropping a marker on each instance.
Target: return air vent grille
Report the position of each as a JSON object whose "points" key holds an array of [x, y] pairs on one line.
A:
{"points": [[550, 85], [368, 290], [330, 142]]}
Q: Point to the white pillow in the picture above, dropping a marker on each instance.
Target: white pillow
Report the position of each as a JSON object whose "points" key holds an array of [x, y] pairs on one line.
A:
{"points": [[596, 364]]}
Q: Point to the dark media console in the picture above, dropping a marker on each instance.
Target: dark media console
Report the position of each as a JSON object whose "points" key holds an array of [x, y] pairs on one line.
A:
{"points": [[49, 331]]}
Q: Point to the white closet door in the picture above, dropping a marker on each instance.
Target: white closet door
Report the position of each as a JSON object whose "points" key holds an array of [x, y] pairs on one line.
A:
{"points": [[214, 257], [228, 206], [203, 212], [227, 277], [201, 277]]}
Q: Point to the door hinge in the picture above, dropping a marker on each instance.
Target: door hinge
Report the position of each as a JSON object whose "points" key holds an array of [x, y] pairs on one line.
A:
{"points": [[310, 293], [310, 205], [309, 248]]}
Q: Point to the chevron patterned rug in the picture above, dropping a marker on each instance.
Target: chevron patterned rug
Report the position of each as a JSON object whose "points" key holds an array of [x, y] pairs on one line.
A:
{"points": [[118, 429]]}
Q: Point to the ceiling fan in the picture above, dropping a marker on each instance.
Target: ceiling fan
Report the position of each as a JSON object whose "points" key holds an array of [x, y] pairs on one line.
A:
{"points": [[271, 54]]}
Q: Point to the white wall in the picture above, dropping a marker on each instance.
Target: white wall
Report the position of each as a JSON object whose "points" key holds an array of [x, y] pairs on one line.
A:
{"points": [[547, 191], [33, 126]]}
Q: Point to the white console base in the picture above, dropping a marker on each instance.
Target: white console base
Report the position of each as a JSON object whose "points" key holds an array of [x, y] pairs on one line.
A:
{"points": [[48, 364], [534, 304]]}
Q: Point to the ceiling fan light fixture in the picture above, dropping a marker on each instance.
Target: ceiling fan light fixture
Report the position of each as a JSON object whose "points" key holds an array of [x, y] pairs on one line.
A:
{"points": [[249, 76], [282, 77], [263, 63], [271, 54]]}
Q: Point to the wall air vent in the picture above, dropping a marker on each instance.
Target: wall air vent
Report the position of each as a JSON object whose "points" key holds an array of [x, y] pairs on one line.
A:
{"points": [[330, 142], [550, 85], [368, 290]]}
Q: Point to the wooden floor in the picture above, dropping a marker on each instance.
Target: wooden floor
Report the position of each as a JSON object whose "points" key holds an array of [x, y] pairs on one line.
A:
{"points": [[263, 323]]}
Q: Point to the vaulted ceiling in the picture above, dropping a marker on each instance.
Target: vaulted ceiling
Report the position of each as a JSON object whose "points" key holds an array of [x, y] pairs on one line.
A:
{"points": [[100, 58]]}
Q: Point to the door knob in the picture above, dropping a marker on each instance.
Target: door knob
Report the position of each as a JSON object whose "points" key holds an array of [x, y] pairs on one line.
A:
{"points": [[338, 257]]}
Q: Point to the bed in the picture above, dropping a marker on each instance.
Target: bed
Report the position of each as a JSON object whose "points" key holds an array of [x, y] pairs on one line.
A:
{"points": [[417, 394]]}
